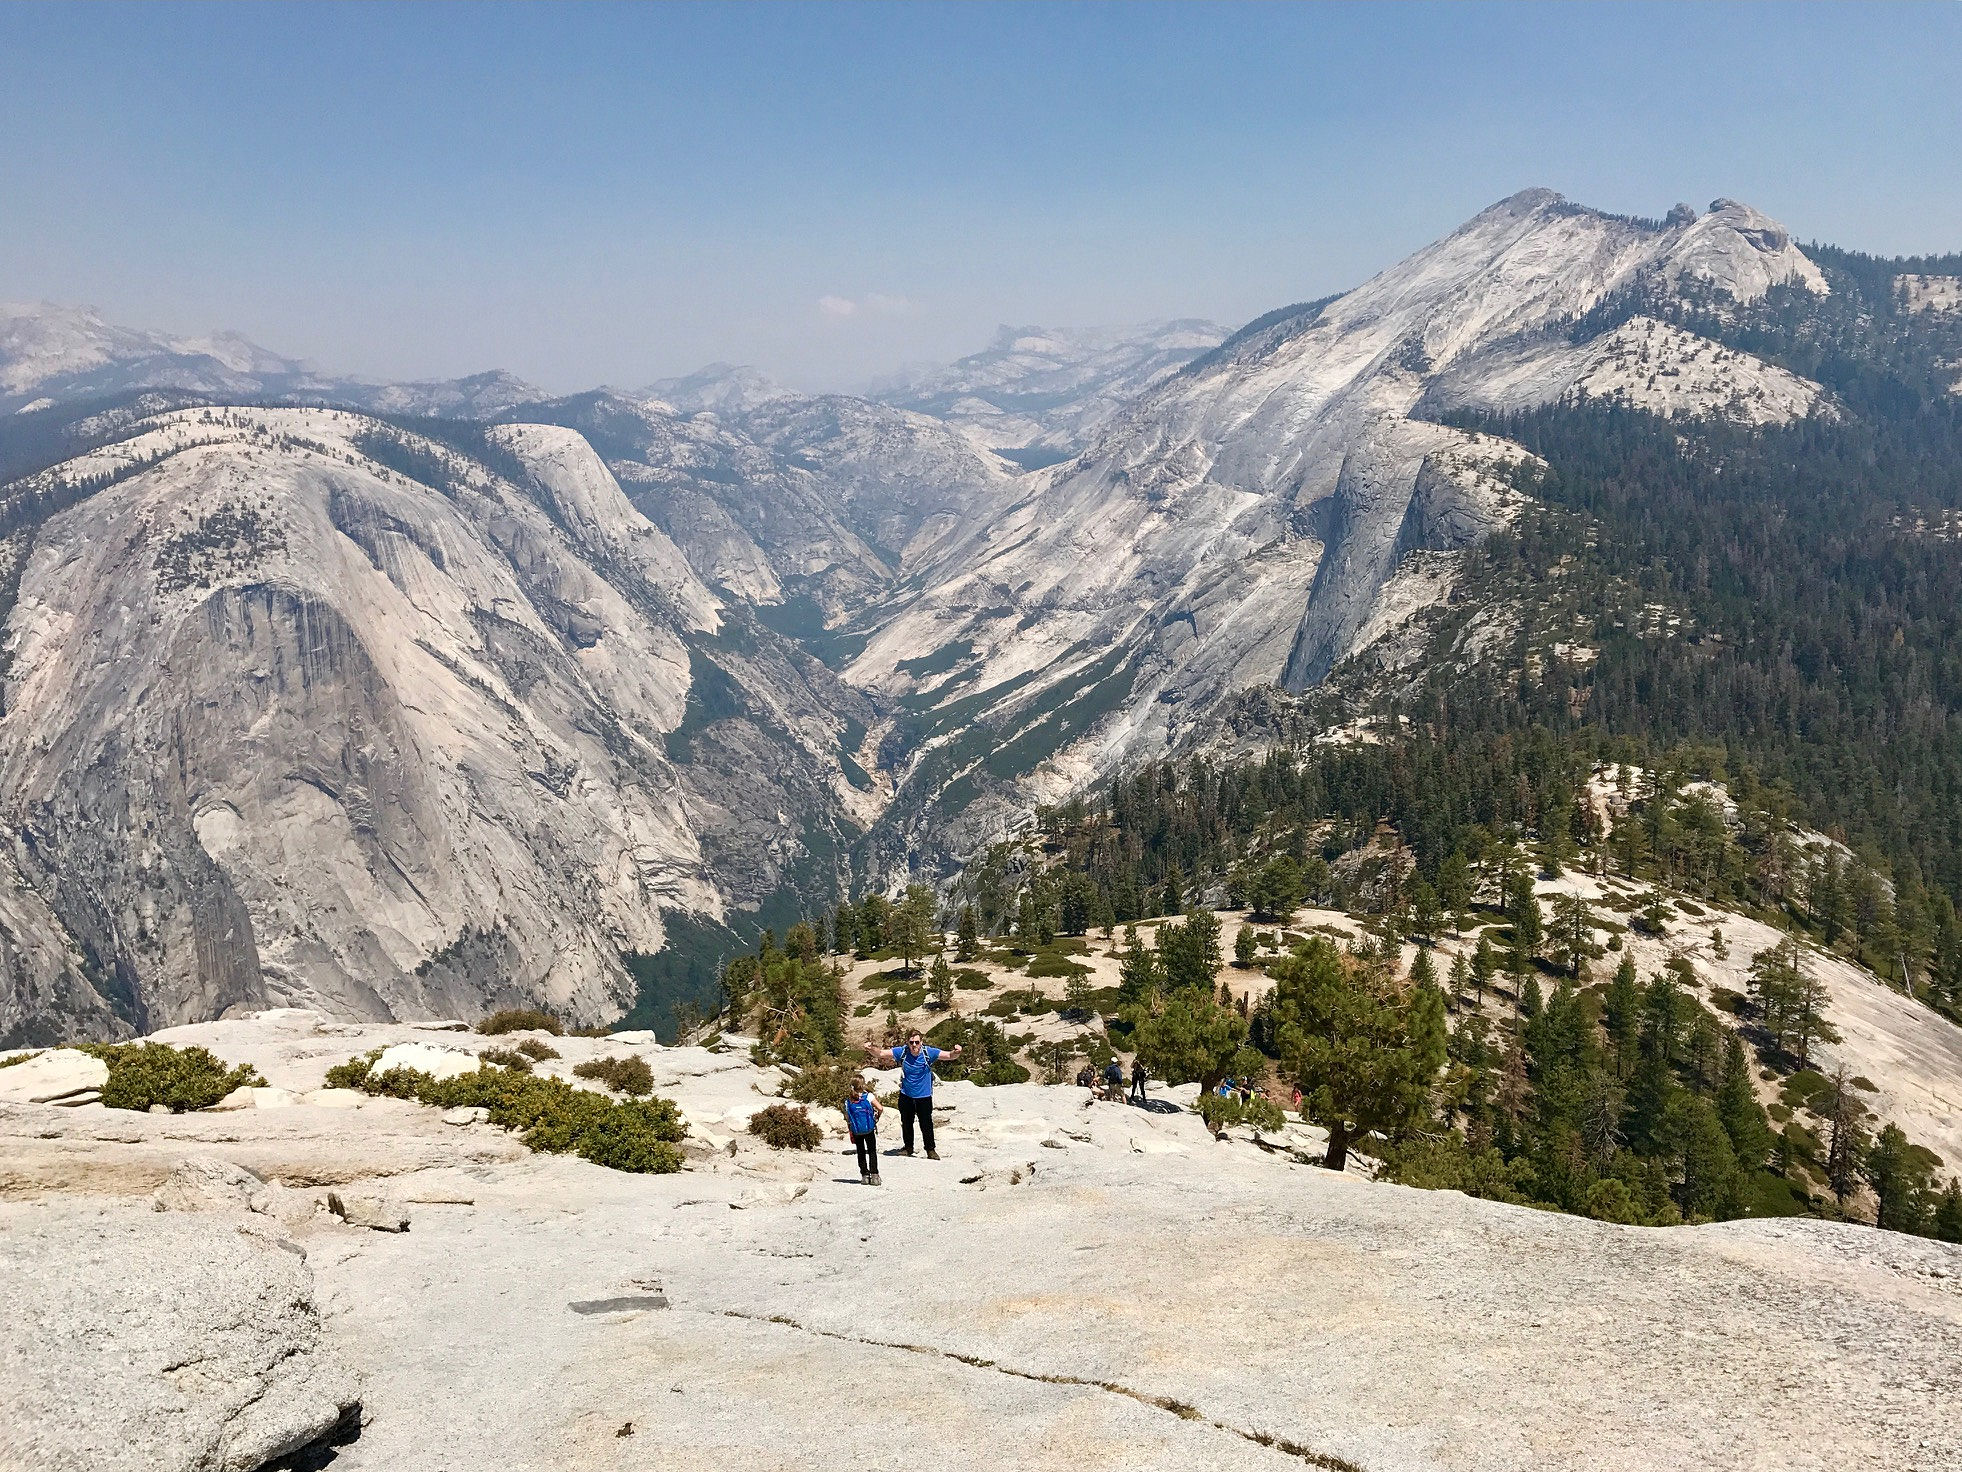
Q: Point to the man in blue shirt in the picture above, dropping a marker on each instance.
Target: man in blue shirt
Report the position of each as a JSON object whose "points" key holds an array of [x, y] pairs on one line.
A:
{"points": [[915, 1063]]}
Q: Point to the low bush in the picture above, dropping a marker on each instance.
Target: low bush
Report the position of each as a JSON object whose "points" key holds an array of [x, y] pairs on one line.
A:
{"points": [[352, 1074], [972, 981], [1260, 1114], [537, 1049], [987, 1056], [821, 1083], [1050, 963], [181, 1079], [550, 1114], [521, 1019], [627, 1075], [506, 1058], [784, 1128]]}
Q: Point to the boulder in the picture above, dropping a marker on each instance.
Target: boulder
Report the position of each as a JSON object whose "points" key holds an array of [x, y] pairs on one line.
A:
{"points": [[53, 1076], [470, 1115], [426, 1058], [137, 1341], [371, 1212], [257, 1098], [209, 1183]]}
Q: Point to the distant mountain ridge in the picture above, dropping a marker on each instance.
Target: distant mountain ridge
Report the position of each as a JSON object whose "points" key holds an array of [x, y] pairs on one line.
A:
{"points": [[52, 354], [812, 640], [1046, 389]]}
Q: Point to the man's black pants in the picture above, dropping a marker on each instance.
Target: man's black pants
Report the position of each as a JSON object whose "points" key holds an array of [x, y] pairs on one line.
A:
{"points": [[911, 1109]]}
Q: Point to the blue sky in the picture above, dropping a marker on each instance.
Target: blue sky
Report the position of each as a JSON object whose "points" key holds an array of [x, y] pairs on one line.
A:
{"points": [[612, 193]]}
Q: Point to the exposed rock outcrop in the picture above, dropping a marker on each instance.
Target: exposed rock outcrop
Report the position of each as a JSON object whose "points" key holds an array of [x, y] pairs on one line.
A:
{"points": [[159, 1341], [1074, 1284]]}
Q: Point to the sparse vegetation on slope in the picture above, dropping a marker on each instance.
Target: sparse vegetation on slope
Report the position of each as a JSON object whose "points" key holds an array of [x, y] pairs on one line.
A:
{"points": [[551, 1115]]}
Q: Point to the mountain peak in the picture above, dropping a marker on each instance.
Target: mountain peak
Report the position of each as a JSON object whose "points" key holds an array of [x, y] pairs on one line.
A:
{"points": [[719, 387]]}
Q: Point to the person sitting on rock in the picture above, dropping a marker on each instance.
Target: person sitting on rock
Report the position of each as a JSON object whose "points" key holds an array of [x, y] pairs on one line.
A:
{"points": [[915, 1064], [1086, 1077], [862, 1111]]}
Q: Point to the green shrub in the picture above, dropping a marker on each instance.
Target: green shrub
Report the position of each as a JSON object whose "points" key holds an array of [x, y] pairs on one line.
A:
{"points": [[784, 1128], [550, 1114], [1448, 1164], [987, 1057], [972, 981], [822, 1083], [537, 1049], [1050, 963], [143, 1074], [505, 1058], [21, 1057], [623, 1075], [637, 1136], [1261, 1114], [521, 1019], [352, 1074]]}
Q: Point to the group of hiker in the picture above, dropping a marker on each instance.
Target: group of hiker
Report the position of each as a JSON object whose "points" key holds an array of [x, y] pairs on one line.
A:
{"points": [[1112, 1081], [914, 1060]]}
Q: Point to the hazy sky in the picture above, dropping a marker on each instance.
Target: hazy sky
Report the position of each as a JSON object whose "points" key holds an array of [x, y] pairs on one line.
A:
{"points": [[614, 194]]}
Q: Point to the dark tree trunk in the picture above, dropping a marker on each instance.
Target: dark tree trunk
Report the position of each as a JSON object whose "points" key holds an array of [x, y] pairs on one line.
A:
{"points": [[1338, 1146]]}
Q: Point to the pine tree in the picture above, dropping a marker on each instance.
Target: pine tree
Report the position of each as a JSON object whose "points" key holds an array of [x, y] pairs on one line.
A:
{"points": [[1485, 965], [1620, 1014], [1948, 1215], [909, 924], [1846, 1148], [1244, 947], [1703, 1154], [1345, 1038], [1139, 975], [941, 982], [1427, 916], [1191, 1040], [967, 940], [1429, 1032], [1739, 1111], [1076, 994], [1460, 979], [1901, 1175], [1523, 910], [1454, 886], [1573, 931], [1189, 952]]}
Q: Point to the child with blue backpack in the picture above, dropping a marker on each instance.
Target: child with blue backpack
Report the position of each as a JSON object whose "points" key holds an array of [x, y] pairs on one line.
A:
{"points": [[862, 1111]]}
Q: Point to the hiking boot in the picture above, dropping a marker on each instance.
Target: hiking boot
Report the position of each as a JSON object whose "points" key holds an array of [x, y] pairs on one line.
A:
{"points": [[908, 1150], [865, 1178], [933, 1155], [873, 1179]]}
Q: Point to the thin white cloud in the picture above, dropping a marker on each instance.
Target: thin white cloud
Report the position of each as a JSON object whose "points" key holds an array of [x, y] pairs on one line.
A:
{"points": [[873, 304]]}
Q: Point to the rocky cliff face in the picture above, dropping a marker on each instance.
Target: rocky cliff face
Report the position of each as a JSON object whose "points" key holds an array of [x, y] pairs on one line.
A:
{"points": [[286, 721], [1250, 519]]}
